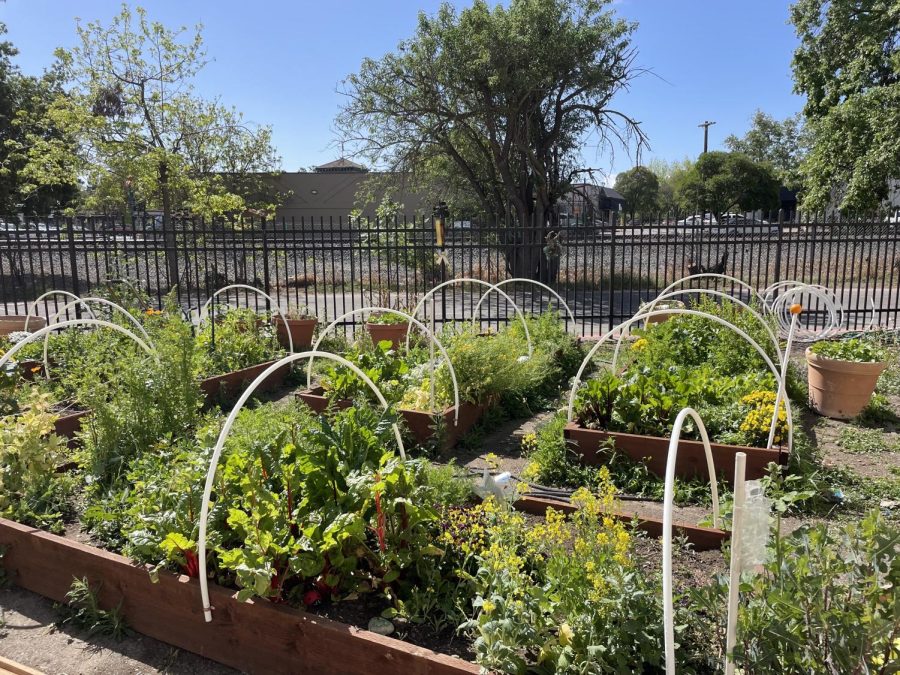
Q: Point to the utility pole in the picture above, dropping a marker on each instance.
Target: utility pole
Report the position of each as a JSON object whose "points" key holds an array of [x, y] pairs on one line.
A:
{"points": [[706, 125]]}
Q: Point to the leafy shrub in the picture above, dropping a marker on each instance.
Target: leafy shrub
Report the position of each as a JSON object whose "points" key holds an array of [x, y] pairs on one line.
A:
{"points": [[826, 602], [31, 491], [239, 338]]}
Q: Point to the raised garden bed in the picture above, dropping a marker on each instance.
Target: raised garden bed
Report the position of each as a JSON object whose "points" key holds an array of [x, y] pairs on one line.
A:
{"points": [[315, 398], [255, 637], [653, 450], [69, 424], [230, 385]]}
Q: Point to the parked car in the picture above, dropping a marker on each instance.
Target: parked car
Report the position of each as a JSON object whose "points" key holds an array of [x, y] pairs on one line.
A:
{"points": [[694, 223]]}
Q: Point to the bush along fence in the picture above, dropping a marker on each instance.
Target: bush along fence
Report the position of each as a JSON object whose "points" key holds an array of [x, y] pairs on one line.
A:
{"points": [[603, 268]]}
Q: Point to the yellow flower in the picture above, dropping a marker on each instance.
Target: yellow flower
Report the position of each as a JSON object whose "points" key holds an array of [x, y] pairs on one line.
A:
{"points": [[639, 345], [487, 607], [566, 634]]}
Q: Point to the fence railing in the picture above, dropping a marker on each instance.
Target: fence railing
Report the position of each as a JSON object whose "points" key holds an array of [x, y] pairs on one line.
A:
{"points": [[334, 265]]}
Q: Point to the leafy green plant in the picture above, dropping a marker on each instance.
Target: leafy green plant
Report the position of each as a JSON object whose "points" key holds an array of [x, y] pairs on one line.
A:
{"points": [[31, 491], [386, 367], [387, 319], [236, 339], [855, 349], [856, 440], [82, 609], [826, 602]]}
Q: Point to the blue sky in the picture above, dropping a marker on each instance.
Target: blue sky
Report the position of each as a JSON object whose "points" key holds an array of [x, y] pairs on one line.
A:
{"points": [[280, 61]]}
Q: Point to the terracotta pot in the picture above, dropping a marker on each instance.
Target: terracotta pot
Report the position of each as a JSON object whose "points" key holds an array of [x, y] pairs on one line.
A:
{"points": [[422, 424], [840, 389], [14, 323], [302, 331], [394, 332], [224, 388], [653, 450]]}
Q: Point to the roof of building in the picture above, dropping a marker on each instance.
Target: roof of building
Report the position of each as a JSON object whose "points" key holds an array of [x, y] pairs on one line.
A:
{"points": [[342, 165]]}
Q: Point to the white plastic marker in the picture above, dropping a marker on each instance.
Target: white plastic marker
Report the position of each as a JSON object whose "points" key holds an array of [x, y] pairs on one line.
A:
{"points": [[668, 499], [68, 324], [33, 306], [492, 287], [202, 313], [534, 283], [431, 338], [690, 312], [226, 429], [734, 575]]}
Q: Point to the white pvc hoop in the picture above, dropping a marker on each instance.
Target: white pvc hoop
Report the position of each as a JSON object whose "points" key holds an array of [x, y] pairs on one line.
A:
{"points": [[712, 275], [419, 325], [668, 610], [492, 287], [226, 429], [268, 297], [527, 281], [704, 291], [794, 292], [108, 303], [75, 322], [33, 306], [693, 312]]}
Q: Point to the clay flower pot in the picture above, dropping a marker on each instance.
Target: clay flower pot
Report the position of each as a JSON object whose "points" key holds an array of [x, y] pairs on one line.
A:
{"points": [[394, 332], [302, 331], [840, 389], [16, 322]]}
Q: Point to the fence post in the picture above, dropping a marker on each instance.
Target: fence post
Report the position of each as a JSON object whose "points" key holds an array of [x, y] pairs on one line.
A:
{"points": [[265, 248], [778, 247], [73, 264], [612, 268]]}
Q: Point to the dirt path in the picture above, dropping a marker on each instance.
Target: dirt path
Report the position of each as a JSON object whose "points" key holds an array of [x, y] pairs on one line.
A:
{"points": [[28, 636]]}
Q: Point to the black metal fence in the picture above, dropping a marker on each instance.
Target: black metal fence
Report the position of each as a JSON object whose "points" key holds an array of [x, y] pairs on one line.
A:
{"points": [[334, 265]]}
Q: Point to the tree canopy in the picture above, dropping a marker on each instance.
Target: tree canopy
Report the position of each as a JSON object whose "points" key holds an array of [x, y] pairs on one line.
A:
{"points": [[500, 100], [848, 67], [139, 131], [640, 187], [723, 181], [780, 144]]}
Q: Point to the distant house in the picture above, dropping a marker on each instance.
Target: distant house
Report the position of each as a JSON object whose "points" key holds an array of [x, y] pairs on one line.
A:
{"points": [[328, 193], [587, 202]]}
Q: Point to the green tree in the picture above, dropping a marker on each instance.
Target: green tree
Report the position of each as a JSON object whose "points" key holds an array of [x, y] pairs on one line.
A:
{"points": [[670, 175], [722, 181], [780, 144], [24, 102], [140, 126], [507, 96], [640, 187], [848, 67]]}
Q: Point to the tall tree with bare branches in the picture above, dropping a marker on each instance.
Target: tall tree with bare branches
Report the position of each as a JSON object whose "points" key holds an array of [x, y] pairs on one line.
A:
{"points": [[507, 97]]}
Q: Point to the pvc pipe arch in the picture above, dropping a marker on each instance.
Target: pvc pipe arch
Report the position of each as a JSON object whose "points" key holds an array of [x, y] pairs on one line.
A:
{"points": [[247, 287], [108, 303], [668, 499], [33, 306], [528, 281], [226, 430], [491, 287], [712, 275], [434, 341], [692, 312]]}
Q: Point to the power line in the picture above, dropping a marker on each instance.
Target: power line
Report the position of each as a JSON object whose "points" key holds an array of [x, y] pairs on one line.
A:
{"points": [[706, 125]]}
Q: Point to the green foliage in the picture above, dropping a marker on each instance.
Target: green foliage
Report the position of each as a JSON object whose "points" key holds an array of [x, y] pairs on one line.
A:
{"points": [[855, 349], [387, 319], [31, 492], [723, 181], [390, 370], [847, 66], [827, 601], [82, 609], [640, 187], [780, 144], [237, 339]]}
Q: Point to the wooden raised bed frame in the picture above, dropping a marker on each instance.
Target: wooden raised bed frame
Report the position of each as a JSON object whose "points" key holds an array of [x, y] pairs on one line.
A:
{"points": [[256, 637], [230, 385], [691, 461]]}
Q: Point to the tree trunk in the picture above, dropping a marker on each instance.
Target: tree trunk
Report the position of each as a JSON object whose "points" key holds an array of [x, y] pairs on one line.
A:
{"points": [[168, 226]]}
